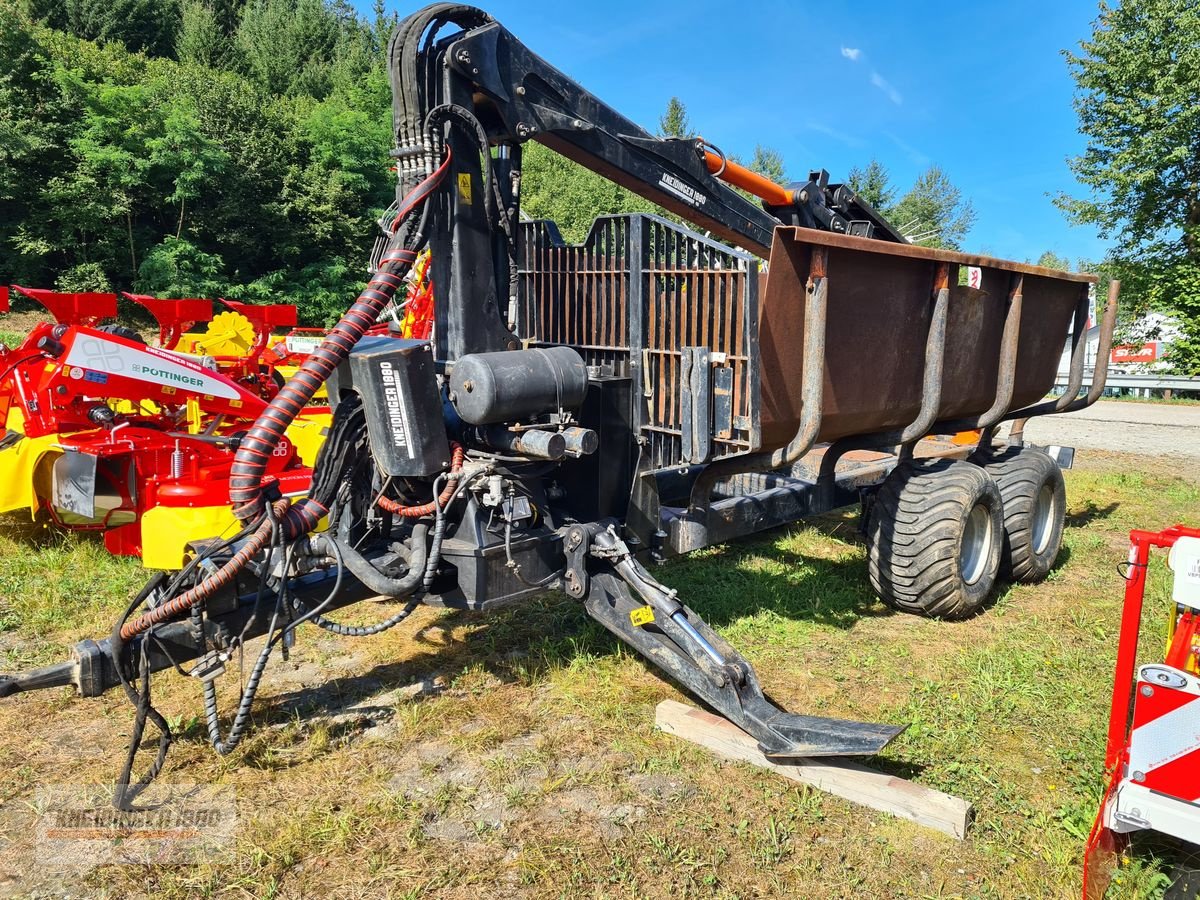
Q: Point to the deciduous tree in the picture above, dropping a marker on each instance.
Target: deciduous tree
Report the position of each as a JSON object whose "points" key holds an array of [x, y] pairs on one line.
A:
{"points": [[1138, 101]]}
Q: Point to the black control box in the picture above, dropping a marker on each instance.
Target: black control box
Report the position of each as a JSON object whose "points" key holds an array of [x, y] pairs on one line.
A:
{"points": [[396, 381]]}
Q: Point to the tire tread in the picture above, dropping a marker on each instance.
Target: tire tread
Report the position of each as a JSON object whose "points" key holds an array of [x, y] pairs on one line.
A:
{"points": [[914, 532], [1020, 473]]}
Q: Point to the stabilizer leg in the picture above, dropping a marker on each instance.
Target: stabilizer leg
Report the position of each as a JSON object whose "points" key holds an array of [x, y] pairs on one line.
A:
{"points": [[680, 643]]}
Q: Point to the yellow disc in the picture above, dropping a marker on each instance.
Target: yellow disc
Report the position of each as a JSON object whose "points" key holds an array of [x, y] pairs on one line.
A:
{"points": [[229, 334]]}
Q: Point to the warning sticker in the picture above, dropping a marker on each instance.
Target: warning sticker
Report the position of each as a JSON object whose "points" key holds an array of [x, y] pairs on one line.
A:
{"points": [[464, 187], [643, 615]]}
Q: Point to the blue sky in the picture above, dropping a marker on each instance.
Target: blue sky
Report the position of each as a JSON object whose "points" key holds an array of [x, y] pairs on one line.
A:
{"points": [[980, 88]]}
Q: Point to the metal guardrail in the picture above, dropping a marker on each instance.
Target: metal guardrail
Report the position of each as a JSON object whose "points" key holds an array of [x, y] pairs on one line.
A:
{"points": [[1153, 381]]}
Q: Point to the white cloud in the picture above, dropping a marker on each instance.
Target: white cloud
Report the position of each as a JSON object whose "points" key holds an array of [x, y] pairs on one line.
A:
{"points": [[855, 54], [882, 83], [917, 157], [847, 139]]}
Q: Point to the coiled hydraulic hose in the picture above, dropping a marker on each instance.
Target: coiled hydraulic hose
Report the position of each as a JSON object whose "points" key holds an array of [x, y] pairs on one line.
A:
{"points": [[250, 463], [180, 604], [428, 509]]}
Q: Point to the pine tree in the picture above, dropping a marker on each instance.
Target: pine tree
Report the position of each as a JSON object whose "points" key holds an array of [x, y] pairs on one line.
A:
{"points": [[873, 184], [934, 212], [674, 122], [769, 163], [149, 25], [201, 39]]}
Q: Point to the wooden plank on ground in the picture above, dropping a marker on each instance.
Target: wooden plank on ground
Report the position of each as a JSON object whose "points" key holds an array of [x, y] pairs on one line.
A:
{"points": [[851, 781]]}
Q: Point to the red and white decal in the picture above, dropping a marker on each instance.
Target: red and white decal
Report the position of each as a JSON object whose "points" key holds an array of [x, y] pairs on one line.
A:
{"points": [[1139, 353], [146, 364], [1164, 746]]}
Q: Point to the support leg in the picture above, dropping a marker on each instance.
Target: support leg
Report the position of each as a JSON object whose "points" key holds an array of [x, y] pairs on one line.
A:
{"points": [[680, 643]]}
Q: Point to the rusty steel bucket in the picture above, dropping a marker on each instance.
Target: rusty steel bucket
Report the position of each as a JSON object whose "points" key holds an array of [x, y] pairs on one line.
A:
{"points": [[888, 343]]}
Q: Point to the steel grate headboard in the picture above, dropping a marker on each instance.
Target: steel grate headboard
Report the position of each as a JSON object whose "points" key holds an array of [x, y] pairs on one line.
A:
{"points": [[633, 298]]}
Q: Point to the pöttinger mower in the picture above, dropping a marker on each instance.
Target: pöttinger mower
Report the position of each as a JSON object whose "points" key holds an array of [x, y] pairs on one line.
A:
{"points": [[101, 432]]}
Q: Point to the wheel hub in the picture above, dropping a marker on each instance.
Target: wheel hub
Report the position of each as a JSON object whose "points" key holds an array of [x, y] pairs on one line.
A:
{"points": [[1043, 519], [976, 544]]}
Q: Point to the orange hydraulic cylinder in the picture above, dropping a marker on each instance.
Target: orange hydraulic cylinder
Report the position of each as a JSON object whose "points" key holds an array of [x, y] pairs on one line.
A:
{"points": [[740, 176]]}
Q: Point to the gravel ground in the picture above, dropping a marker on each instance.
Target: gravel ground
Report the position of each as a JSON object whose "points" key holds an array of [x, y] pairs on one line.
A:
{"points": [[1146, 429]]}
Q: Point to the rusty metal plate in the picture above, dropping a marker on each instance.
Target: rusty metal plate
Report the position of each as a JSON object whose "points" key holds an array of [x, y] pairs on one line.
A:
{"points": [[879, 306]]}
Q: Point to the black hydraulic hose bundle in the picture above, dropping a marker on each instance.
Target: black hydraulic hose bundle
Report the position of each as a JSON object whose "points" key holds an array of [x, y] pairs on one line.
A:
{"points": [[250, 463], [276, 524], [413, 87], [125, 793], [362, 569]]}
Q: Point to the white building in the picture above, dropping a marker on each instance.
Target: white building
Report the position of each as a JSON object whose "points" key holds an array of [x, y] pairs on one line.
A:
{"points": [[1149, 339]]}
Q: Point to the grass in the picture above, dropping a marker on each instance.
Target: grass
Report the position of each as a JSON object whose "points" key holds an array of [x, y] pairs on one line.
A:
{"points": [[56, 587], [1186, 400], [535, 770]]}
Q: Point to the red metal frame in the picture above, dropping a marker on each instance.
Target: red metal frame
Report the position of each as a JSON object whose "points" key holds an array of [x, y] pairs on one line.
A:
{"points": [[257, 366], [1103, 844], [73, 309], [174, 317], [278, 353], [62, 376], [265, 319]]}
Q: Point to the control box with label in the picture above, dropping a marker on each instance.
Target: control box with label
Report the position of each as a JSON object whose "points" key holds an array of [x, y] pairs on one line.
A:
{"points": [[396, 380]]}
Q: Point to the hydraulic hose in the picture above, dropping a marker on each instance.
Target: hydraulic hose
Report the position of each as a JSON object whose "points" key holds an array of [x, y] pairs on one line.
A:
{"points": [[225, 746], [250, 463], [428, 509], [180, 604], [362, 569]]}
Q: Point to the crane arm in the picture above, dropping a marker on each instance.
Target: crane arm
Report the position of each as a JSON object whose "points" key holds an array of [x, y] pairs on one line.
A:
{"points": [[481, 87]]}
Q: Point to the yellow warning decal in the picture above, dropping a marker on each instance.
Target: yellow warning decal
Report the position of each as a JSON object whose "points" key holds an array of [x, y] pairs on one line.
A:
{"points": [[643, 615], [464, 187]]}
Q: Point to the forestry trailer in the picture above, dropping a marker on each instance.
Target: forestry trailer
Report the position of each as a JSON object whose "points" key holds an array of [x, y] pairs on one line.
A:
{"points": [[583, 411]]}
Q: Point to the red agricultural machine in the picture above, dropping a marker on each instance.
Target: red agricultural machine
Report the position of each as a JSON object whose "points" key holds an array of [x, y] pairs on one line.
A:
{"points": [[1152, 758], [102, 432], [241, 342], [577, 412]]}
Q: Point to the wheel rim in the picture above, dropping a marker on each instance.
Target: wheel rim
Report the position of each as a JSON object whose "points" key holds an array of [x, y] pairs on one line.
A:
{"points": [[1043, 519], [976, 544]]}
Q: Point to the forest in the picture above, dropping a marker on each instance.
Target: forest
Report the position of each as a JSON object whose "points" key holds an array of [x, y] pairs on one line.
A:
{"points": [[239, 148]]}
